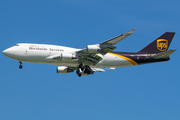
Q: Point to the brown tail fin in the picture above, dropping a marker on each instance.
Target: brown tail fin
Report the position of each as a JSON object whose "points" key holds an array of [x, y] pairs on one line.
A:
{"points": [[161, 44]]}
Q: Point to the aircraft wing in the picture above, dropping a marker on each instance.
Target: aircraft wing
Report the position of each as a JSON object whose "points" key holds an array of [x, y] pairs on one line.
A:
{"points": [[92, 54], [117, 39]]}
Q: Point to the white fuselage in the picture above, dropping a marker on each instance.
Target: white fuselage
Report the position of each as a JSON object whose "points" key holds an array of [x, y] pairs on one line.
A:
{"points": [[41, 53]]}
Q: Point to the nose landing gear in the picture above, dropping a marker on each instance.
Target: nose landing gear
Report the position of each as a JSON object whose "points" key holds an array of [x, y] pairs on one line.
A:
{"points": [[20, 66]]}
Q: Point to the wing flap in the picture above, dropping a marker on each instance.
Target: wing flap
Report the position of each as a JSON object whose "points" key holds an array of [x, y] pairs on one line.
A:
{"points": [[91, 59], [97, 69]]}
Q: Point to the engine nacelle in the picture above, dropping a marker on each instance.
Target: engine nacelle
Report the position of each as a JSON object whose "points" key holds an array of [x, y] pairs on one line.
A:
{"points": [[93, 48], [64, 70], [66, 56]]}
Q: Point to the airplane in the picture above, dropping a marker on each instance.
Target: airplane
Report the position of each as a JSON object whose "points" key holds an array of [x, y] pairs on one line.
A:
{"points": [[93, 58]]}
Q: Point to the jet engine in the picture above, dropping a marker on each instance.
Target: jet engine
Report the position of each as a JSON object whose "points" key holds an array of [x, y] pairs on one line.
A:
{"points": [[93, 48], [66, 56], [64, 70]]}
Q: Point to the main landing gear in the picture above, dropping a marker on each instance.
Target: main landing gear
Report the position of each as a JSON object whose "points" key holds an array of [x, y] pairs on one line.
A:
{"points": [[20, 66], [83, 70]]}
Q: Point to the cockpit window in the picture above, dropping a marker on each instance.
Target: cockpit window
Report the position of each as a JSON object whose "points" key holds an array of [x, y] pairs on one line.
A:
{"points": [[17, 45]]}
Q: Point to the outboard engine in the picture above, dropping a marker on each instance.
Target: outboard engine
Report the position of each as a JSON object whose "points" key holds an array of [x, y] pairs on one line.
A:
{"points": [[93, 48]]}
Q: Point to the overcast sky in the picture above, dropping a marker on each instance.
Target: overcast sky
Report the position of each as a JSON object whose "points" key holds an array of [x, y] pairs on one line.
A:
{"points": [[37, 92]]}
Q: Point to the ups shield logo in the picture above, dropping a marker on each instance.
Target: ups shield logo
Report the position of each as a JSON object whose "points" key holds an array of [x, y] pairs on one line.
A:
{"points": [[162, 44]]}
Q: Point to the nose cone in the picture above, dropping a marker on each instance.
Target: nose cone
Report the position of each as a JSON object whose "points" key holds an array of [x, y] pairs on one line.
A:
{"points": [[5, 52], [8, 52]]}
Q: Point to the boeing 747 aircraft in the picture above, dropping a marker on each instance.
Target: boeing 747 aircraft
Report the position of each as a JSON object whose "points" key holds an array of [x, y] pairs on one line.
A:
{"points": [[94, 57]]}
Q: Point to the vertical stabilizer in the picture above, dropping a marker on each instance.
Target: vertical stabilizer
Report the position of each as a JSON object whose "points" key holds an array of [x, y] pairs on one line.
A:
{"points": [[161, 44]]}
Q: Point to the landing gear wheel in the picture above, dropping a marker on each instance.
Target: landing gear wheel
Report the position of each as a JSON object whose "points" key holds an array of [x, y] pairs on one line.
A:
{"points": [[87, 70], [20, 66], [78, 73]]}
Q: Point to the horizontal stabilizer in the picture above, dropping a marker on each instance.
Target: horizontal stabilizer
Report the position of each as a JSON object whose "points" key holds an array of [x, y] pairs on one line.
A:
{"points": [[164, 54]]}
